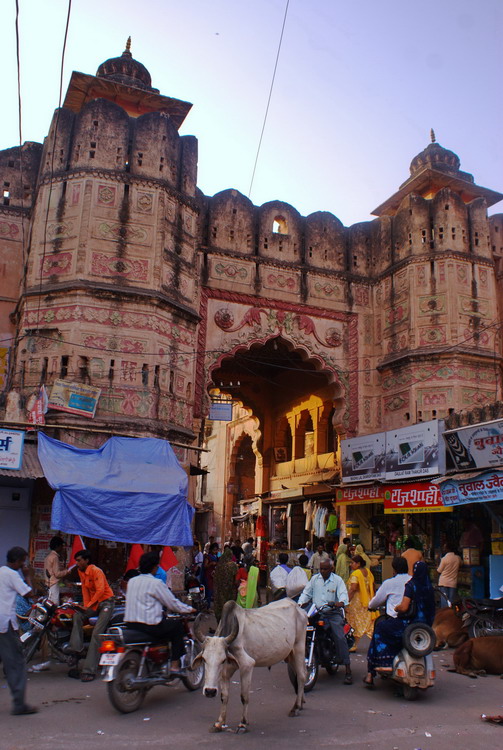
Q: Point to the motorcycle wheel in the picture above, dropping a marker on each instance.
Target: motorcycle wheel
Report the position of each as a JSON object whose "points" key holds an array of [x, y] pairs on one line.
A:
{"points": [[30, 647], [195, 677], [480, 628], [121, 697], [410, 693], [311, 675]]}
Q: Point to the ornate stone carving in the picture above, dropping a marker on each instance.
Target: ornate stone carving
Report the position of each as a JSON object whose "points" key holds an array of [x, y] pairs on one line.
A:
{"points": [[9, 230], [108, 266]]}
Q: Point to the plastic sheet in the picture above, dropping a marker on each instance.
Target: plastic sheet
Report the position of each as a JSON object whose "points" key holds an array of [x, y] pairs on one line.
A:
{"points": [[128, 490]]}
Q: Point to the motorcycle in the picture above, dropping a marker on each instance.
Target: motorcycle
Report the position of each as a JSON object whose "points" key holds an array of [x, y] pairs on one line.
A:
{"points": [[195, 592], [133, 663], [55, 622], [321, 649], [482, 617]]}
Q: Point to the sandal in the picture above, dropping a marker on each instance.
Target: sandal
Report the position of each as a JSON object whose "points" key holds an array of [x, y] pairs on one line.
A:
{"points": [[74, 673], [87, 677], [369, 683], [348, 679]]}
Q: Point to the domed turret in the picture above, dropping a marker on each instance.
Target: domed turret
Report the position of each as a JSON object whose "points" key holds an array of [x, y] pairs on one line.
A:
{"points": [[125, 69], [435, 156]]}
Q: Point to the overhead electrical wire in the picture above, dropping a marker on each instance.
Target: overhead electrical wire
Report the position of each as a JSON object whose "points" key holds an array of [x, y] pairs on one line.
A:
{"points": [[269, 98]]}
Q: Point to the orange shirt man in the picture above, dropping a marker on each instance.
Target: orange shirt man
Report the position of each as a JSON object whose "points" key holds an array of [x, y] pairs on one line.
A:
{"points": [[95, 588], [98, 599]]}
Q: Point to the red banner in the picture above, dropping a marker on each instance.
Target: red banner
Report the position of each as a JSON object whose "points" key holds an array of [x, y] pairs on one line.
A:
{"points": [[420, 497]]}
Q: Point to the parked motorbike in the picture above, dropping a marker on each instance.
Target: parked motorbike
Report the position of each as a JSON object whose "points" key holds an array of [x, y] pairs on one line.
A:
{"points": [[482, 617], [55, 622], [133, 663], [321, 649]]}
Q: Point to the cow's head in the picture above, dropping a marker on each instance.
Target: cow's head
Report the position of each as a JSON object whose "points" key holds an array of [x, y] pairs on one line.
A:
{"points": [[215, 654]]}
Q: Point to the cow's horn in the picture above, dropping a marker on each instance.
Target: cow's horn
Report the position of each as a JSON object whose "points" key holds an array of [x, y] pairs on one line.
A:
{"points": [[233, 634], [199, 636]]}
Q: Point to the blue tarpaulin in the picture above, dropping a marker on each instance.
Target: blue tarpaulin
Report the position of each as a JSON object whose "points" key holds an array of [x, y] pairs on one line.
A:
{"points": [[129, 490]]}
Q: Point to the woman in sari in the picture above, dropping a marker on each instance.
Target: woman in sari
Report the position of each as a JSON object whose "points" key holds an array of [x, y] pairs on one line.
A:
{"points": [[342, 559], [360, 592], [247, 591], [360, 551], [225, 587], [417, 605]]}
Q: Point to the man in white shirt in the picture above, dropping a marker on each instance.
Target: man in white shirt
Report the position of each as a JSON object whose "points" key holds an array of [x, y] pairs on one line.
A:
{"points": [[391, 590], [145, 598], [326, 589], [279, 574], [11, 650], [316, 560]]}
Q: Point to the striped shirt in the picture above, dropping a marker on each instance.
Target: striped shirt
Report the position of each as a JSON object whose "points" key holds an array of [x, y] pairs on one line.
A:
{"points": [[145, 598]]}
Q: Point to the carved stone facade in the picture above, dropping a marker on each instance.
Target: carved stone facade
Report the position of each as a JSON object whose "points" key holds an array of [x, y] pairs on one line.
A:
{"points": [[138, 283]]}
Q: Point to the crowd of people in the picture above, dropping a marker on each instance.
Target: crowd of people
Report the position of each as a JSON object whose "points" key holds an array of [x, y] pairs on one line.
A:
{"points": [[343, 582]]}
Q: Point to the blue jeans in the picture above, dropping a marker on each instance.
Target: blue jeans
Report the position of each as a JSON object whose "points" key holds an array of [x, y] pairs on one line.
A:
{"points": [[448, 594]]}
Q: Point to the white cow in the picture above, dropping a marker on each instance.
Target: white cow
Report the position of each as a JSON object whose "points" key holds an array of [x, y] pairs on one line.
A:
{"points": [[247, 638]]}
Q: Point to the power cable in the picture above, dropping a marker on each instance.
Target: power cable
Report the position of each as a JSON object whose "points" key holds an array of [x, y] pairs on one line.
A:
{"points": [[269, 98]]}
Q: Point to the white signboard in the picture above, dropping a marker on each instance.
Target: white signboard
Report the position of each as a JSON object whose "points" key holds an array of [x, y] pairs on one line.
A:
{"points": [[363, 458], [11, 449], [476, 447], [415, 451]]}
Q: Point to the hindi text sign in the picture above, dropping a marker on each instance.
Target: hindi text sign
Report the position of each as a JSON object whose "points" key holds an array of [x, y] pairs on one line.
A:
{"points": [[420, 497], [11, 449]]}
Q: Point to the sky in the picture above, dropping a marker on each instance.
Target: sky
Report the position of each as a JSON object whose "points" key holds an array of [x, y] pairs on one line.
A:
{"points": [[358, 86]]}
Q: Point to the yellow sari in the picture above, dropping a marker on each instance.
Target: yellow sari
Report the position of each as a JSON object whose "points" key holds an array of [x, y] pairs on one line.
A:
{"points": [[357, 614]]}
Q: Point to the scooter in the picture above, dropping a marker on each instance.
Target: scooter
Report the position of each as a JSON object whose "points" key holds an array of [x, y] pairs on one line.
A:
{"points": [[321, 650], [133, 663], [413, 667]]}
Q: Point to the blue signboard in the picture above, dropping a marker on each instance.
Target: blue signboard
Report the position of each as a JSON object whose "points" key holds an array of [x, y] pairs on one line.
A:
{"points": [[479, 489], [221, 411]]}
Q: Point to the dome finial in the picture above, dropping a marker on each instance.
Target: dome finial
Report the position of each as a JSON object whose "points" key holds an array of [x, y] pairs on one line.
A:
{"points": [[432, 133], [127, 51]]}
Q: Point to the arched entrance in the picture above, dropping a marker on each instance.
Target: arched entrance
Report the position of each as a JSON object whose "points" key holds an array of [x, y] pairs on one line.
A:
{"points": [[282, 436]]}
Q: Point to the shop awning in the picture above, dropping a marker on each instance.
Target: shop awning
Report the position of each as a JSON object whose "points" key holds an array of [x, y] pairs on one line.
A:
{"points": [[129, 490], [31, 468]]}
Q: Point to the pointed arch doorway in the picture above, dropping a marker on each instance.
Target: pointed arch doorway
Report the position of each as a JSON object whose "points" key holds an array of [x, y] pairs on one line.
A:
{"points": [[283, 427]]}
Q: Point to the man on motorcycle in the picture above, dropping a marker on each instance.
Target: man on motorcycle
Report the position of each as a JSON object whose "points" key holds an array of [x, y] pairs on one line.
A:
{"points": [[326, 589], [98, 600], [145, 598]]}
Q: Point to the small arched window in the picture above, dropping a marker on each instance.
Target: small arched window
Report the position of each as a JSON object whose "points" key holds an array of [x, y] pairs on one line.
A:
{"points": [[279, 225]]}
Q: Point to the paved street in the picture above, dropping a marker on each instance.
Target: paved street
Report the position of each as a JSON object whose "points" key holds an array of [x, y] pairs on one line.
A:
{"points": [[79, 716]]}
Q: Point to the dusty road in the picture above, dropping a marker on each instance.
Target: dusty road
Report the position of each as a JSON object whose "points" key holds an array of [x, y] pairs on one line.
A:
{"points": [[78, 716]]}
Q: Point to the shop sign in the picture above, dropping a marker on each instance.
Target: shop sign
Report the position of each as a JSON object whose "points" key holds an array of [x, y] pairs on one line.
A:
{"points": [[221, 411], [363, 458], [476, 447], [481, 489], [75, 398], [422, 497], [11, 449], [415, 451], [359, 495]]}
